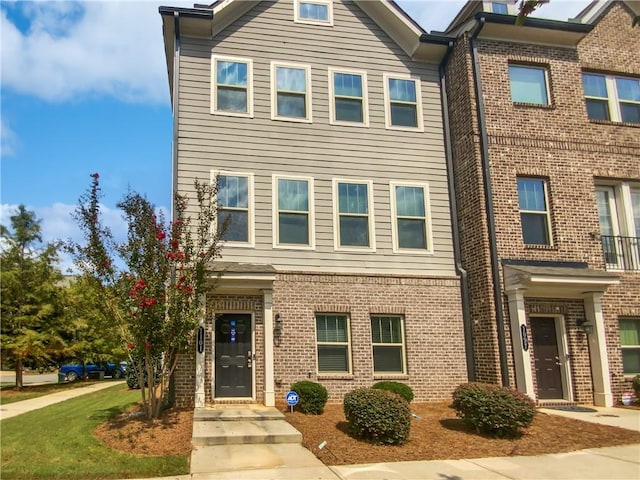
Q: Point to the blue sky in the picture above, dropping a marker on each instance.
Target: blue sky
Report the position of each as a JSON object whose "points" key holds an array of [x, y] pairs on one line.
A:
{"points": [[84, 89]]}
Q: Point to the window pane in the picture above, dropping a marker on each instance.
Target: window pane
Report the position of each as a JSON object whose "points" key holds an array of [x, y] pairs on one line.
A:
{"points": [[598, 109], [233, 191], [313, 11], [603, 203], [292, 105], [531, 194], [630, 112], [232, 99], [594, 85], [353, 198], [331, 328], [410, 201], [232, 73], [629, 331], [404, 115], [534, 229], [294, 228], [631, 360], [346, 84], [402, 90], [291, 79], [411, 234], [628, 89], [348, 110], [498, 7], [354, 231], [386, 329], [387, 359], [528, 85], [293, 195], [333, 358], [237, 230], [635, 207]]}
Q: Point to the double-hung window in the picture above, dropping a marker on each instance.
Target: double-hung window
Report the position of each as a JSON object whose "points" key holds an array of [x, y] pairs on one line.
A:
{"points": [[403, 102], [410, 209], [630, 345], [316, 12], [348, 94], [612, 98], [293, 215], [353, 218], [231, 86], [534, 211], [333, 343], [290, 92], [500, 7], [235, 207], [529, 84], [387, 339]]}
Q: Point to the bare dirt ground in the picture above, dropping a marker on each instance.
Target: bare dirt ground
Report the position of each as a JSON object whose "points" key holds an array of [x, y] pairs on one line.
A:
{"points": [[436, 435]]}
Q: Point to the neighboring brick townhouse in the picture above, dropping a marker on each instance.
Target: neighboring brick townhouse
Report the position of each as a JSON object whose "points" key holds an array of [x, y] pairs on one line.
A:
{"points": [[321, 121], [545, 135]]}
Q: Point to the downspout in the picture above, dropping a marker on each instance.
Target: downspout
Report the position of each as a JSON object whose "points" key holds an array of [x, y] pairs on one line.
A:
{"points": [[488, 194], [455, 229], [175, 103]]}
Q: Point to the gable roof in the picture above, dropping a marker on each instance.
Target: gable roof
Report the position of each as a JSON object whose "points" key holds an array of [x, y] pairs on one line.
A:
{"points": [[593, 12]]}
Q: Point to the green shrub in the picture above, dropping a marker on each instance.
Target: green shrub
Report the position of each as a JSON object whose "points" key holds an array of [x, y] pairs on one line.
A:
{"points": [[313, 396], [493, 410], [636, 386], [401, 389], [377, 415]]}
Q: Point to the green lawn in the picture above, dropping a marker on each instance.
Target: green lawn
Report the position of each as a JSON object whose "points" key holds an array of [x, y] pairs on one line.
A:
{"points": [[56, 442]]}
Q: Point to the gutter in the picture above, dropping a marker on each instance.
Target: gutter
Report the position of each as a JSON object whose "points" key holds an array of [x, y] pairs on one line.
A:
{"points": [[455, 229], [488, 194], [572, 27], [175, 102]]}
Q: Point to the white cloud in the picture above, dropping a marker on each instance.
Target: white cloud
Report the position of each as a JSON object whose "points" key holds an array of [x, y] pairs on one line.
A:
{"points": [[73, 50], [8, 139]]}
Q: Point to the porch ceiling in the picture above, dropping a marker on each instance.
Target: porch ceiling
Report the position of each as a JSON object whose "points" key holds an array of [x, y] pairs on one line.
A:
{"points": [[556, 282]]}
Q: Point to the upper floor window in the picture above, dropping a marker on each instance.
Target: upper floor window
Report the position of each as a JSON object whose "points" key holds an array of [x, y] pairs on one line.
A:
{"points": [[318, 12], [231, 88], [235, 207], [348, 93], [353, 220], [387, 338], [499, 7], [403, 102], [293, 216], [333, 343], [410, 210], [612, 98], [534, 211], [529, 84], [619, 217], [291, 92], [630, 345]]}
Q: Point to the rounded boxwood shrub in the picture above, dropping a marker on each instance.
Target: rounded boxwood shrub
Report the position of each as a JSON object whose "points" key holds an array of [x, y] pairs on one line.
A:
{"points": [[636, 386], [377, 415], [313, 396], [401, 389], [492, 409]]}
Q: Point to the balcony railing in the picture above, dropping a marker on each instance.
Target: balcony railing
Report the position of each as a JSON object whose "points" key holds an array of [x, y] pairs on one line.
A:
{"points": [[621, 253]]}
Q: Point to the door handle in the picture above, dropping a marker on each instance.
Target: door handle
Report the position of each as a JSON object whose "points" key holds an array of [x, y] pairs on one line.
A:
{"points": [[558, 361], [249, 359]]}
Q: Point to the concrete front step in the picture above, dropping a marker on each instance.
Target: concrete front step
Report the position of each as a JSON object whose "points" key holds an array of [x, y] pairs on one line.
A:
{"points": [[236, 413], [244, 432]]}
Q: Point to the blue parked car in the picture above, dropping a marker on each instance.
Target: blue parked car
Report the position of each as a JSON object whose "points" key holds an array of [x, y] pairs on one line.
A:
{"points": [[110, 369]]}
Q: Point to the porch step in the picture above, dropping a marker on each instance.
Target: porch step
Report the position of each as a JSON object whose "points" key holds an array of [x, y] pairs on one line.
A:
{"points": [[236, 413]]}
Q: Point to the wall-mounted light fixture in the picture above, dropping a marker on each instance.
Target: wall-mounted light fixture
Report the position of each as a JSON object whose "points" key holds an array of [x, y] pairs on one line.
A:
{"points": [[586, 327], [277, 330]]}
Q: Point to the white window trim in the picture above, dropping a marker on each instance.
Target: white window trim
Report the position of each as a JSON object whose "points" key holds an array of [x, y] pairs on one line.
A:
{"points": [[274, 92], [387, 102], [348, 343], [547, 88], [427, 218], [403, 346], [336, 217], [612, 99], [214, 86], [546, 213], [310, 21], [251, 213], [311, 214], [332, 99]]}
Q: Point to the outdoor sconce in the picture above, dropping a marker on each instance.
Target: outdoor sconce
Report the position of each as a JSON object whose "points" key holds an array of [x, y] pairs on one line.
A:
{"points": [[586, 327], [277, 330]]}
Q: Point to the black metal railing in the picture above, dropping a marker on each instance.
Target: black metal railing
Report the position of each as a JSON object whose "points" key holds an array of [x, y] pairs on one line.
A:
{"points": [[621, 253]]}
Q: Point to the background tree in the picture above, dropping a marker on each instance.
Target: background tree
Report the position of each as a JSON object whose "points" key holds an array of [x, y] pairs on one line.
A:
{"points": [[31, 295], [151, 283]]}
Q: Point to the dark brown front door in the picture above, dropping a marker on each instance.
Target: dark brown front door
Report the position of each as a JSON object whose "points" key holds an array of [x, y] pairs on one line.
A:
{"points": [[233, 356], [546, 358]]}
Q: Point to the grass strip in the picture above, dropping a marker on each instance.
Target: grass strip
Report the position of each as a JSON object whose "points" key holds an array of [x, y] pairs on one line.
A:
{"points": [[57, 442], [9, 394]]}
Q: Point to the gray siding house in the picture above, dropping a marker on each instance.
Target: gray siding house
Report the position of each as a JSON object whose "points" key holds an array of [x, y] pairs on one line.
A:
{"points": [[321, 123]]}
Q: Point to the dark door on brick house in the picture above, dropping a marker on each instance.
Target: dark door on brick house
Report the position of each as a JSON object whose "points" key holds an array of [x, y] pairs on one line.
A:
{"points": [[546, 358], [233, 356]]}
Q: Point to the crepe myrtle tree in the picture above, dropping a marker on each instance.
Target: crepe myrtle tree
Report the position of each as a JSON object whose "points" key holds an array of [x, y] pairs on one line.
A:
{"points": [[152, 283]]}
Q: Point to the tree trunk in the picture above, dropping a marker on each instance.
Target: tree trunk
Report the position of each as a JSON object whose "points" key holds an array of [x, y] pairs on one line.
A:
{"points": [[19, 373]]}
